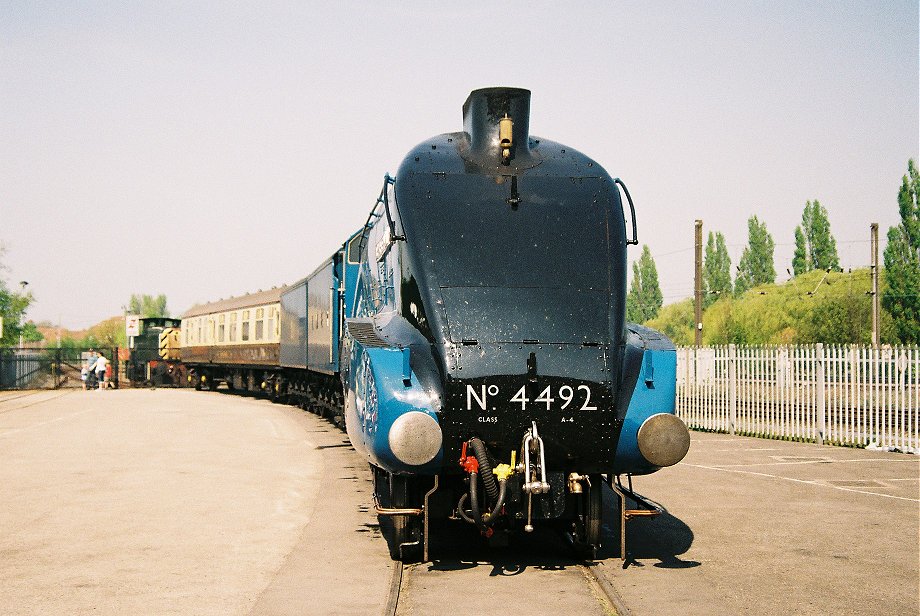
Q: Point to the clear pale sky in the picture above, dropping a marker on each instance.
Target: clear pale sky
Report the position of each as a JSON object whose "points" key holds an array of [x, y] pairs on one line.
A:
{"points": [[204, 150]]}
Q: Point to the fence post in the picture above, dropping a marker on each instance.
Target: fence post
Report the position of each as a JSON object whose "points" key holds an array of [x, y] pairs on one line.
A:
{"points": [[901, 410], [820, 392], [116, 367], [732, 389]]}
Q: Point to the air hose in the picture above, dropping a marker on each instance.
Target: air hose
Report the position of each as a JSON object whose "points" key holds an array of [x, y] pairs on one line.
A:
{"points": [[485, 468], [502, 490], [476, 518], [461, 511], [474, 501]]}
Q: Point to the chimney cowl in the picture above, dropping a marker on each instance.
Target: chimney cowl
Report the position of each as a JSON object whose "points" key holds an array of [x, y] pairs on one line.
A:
{"points": [[482, 113]]}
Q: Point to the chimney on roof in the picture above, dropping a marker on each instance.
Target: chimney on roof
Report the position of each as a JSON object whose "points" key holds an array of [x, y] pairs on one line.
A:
{"points": [[487, 114]]}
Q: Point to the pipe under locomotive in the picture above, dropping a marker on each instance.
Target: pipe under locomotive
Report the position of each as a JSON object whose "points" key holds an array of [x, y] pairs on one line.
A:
{"points": [[472, 334]]}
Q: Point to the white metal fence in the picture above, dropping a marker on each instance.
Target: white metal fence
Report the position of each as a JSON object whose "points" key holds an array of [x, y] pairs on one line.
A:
{"points": [[844, 395]]}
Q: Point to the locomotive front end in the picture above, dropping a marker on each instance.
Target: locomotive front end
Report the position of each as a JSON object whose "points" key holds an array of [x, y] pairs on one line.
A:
{"points": [[493, 284]]}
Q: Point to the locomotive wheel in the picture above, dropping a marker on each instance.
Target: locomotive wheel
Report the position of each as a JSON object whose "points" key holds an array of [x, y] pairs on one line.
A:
{"points": [[402, 532], [589, 520]]}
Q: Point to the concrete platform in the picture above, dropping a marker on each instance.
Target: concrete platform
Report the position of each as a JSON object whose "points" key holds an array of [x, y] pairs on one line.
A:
{"points": [[180, 502], [183, 502], [757, 526]]}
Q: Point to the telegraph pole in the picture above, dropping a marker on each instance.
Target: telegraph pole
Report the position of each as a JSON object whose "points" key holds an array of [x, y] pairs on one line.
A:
{"points": [[873, 228], [698, 285]]}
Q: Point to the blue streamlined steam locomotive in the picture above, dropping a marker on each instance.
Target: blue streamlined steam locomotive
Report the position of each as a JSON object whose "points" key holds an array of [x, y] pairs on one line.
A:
{"points": [[471, 337]]}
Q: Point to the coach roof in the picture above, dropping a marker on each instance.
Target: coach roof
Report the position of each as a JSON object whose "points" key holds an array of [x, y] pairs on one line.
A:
{"points": [[259, 298]]}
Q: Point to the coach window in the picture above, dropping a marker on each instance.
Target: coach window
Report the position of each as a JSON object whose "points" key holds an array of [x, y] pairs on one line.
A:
{"points": [[260, 323], [244, 334], [232, 327], [270, 324], [210, 330], [200, 338], [220, 328]]}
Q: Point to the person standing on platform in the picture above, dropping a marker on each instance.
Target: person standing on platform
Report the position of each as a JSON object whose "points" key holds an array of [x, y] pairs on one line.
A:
{"points": [[90, 375], [99, 367]]}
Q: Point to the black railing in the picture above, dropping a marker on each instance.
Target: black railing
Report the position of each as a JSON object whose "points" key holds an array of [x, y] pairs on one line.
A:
{"points": [[51, 368]]}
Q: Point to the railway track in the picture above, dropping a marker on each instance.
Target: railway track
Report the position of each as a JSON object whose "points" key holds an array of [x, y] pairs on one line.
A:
{"points": [[524, 576], [32, 398], [535, 575], [603, 588], [575, 588], [15, 395]]}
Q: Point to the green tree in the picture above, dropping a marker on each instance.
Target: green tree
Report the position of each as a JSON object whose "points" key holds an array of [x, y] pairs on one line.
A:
{"points": [[676, 322], [756, 264], [901, 298], [814, 307], [644, 298], [717, 270], [800, 261], [148, 306], [838, 319], [815, 246], [13, 308], [107, 333]]}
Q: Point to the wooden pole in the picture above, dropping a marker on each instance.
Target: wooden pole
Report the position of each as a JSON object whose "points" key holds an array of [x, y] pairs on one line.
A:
{"points": [[698, 285], [873, 228]]}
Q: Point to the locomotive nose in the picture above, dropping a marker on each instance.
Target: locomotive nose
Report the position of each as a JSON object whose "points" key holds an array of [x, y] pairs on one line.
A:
{"points": [[663, 439]]}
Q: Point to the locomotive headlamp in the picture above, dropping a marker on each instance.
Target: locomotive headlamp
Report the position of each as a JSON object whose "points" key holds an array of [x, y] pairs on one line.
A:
{"points": [[663, 439], [415, 438], [505, 126]]}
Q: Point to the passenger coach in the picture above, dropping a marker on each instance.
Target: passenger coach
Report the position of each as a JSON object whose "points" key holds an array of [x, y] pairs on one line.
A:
{"points": [[235, 341], [283, 342]]}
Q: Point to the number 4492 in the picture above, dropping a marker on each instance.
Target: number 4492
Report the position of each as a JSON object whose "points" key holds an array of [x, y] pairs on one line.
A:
{"points": [[566, 395]]}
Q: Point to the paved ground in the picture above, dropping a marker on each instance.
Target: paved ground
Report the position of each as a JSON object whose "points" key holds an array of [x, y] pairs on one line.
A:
{"points": [[769, 527], [183, 502], [178, 502], [536, 575]]}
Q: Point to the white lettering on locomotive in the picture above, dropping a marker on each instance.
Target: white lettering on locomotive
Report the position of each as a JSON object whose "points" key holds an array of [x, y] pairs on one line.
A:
{"points": [[482, 397], [478, 399]]}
